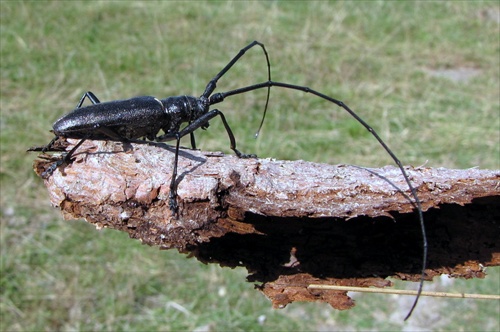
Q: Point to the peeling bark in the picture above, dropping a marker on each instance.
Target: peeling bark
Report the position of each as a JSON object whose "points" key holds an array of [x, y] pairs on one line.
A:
{"points": [[289, 223]]}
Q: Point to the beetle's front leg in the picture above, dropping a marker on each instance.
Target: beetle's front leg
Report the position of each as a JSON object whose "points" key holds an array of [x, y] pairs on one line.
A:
{"points": [[190, 128], [202, 122], [216, 112]]}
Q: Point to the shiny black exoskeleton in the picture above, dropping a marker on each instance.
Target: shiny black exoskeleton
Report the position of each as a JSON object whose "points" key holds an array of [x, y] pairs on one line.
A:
{"points": [[145, 117]]}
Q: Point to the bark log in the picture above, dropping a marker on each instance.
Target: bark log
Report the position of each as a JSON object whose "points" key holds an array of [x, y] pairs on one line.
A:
{"points": [[290, 223]]}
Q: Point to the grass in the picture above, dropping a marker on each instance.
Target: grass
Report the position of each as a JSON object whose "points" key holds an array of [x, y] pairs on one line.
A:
{"points": [[379, 57]]}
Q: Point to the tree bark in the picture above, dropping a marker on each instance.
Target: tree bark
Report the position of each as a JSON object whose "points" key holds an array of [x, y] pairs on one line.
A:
{"points": [[290, 223]]}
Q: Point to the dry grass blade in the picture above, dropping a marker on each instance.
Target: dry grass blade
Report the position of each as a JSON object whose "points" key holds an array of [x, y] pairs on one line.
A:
{"points": [[405, 292]]}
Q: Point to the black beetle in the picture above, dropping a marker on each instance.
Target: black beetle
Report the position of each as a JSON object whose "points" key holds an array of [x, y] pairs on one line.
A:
{"points": [[144, 117]]}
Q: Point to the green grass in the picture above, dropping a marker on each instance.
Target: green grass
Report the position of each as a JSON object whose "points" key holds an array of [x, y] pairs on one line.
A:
{"points": [[375, 56]]}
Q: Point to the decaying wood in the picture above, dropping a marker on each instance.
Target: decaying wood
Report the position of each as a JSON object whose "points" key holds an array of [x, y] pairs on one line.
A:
{"points": [[290, 223]]}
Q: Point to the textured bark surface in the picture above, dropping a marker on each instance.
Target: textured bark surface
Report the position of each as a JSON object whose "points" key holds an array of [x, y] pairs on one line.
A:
{"points": [[289, 223]]}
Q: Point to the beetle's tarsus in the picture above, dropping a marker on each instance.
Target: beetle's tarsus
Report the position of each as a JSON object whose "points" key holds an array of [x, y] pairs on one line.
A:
{"points": [[244, 155], [50, 170], [172, 202]]}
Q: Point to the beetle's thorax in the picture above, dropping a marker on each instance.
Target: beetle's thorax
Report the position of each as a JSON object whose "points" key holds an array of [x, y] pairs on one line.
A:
{"points": [[185, 108]]}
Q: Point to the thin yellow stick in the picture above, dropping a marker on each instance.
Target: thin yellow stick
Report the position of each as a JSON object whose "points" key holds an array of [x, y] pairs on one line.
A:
{"points": [[405, 292]]}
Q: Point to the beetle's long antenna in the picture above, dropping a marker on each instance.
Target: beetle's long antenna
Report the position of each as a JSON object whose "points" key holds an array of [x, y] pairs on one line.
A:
{"points": [[213, 82], [218, 97]]}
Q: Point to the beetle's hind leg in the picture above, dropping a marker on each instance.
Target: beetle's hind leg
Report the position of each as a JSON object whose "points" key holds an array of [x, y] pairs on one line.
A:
{"points": [[45, 148], [52, 146], [66, 157], [91, 96]]}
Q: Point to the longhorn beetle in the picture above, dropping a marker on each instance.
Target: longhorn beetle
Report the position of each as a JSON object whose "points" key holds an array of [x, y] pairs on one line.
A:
{"points": [[144, 117]]}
